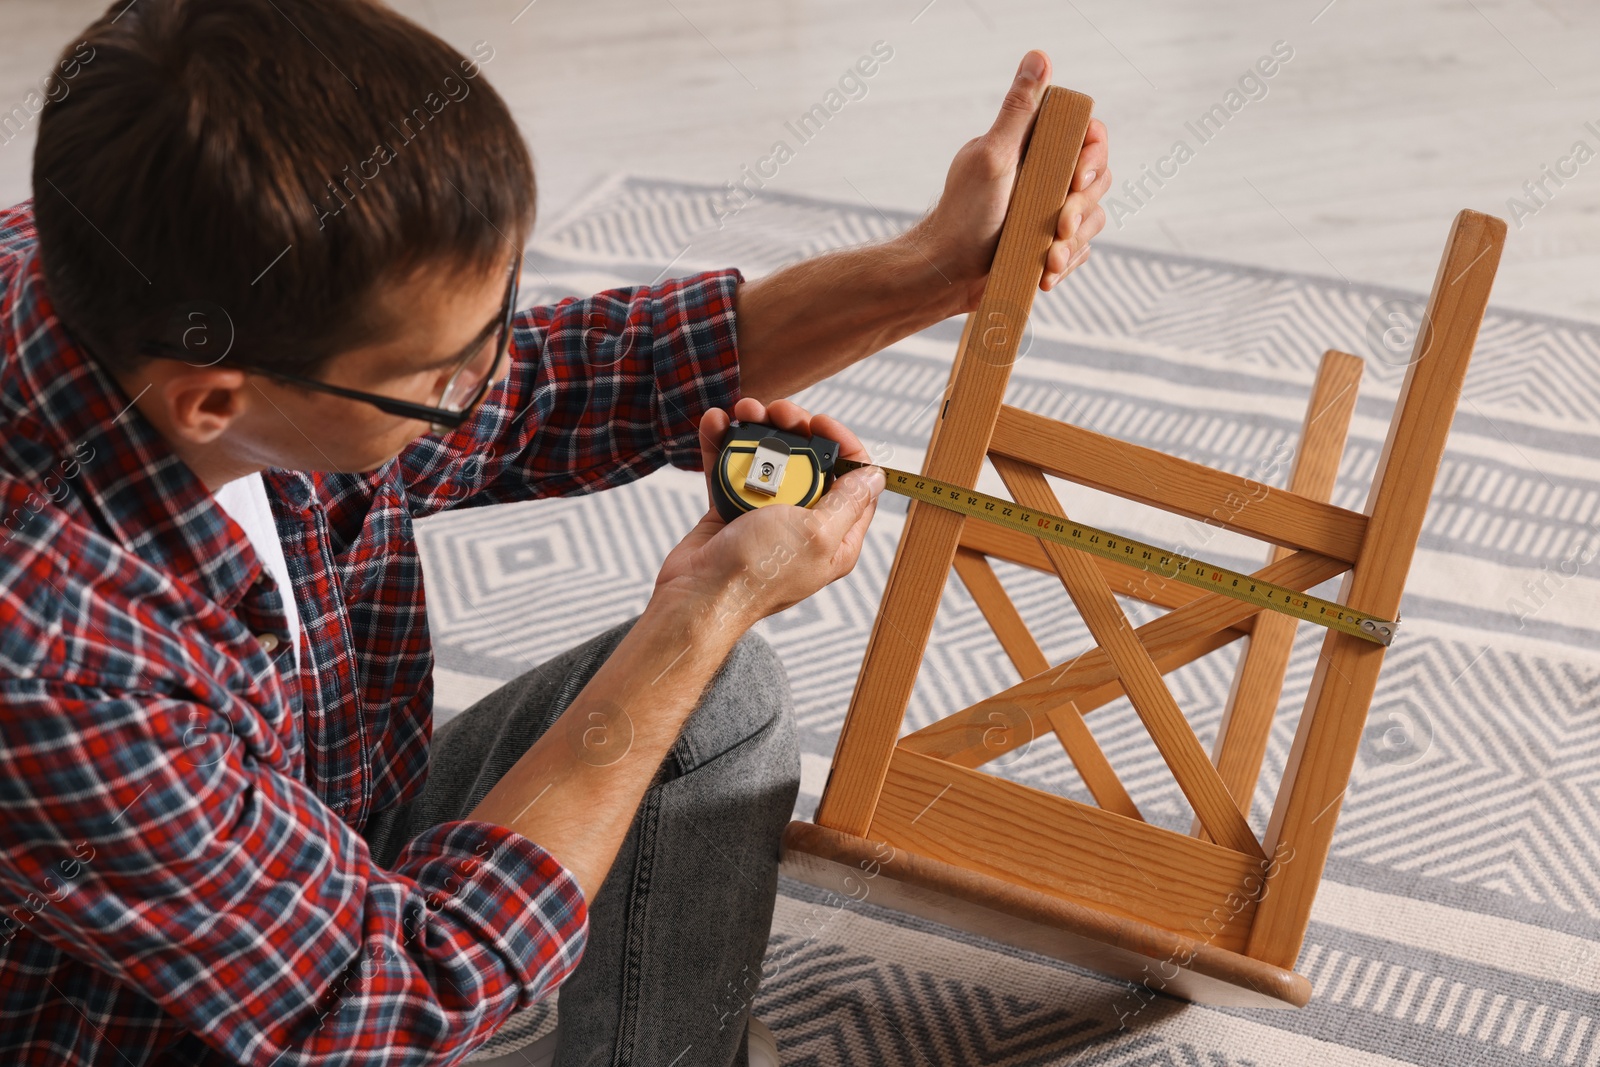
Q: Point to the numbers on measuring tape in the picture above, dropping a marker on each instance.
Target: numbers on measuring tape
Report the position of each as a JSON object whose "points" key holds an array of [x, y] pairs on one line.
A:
{"points": [[1145, 557]]}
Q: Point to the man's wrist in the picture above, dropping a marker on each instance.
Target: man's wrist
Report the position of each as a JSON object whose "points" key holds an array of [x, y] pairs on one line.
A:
{"points": [[920, 257], [714, 613]]}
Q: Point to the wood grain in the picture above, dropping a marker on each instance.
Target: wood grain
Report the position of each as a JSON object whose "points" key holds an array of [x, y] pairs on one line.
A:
{"points": [[1002, 542], [927, 546], [952, 738], [999, 612], [1070, 729], [1015, 833], [1151, 957], [1178, 485], [1181, 632], [1325, 745], [1241, 742], [1176, 741], [1099, 777]]}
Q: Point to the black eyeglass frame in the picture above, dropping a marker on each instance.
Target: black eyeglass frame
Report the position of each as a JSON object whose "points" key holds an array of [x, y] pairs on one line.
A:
{"points": [[442, 420]]}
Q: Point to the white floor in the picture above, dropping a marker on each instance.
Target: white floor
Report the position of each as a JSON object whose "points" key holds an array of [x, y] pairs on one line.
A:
{"points": [[1389, 117]]}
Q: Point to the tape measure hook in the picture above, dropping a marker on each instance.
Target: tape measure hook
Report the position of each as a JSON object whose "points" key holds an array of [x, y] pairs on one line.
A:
{"points": [[1383, 632]]}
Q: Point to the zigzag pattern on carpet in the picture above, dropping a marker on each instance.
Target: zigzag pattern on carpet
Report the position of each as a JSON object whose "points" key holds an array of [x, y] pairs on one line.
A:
{"points": [[841, 1007], [1524, 362]]}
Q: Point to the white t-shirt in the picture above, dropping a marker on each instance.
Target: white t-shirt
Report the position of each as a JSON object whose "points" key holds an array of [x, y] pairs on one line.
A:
{"points": [[245, 499]]}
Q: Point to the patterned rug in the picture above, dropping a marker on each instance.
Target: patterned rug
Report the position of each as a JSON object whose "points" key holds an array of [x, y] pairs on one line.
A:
{"points": [[1459, 919]]}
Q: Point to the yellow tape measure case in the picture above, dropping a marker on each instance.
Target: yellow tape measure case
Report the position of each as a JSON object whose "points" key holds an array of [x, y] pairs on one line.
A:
{"points": [[761, 465]]}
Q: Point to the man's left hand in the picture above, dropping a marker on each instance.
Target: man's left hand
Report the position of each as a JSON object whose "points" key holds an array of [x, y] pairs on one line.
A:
{"points": [[962, 231]]}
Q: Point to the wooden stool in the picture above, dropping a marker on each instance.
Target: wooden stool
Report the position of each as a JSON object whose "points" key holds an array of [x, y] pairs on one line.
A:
{"points": [[1215, 915]]}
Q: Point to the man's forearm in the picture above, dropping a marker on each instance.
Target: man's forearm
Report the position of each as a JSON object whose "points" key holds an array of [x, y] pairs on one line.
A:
{"points": [[811, 320], [575, 791]]}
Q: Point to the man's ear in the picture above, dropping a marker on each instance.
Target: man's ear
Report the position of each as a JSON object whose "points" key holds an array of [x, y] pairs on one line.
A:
{"points": [[201, 402]]}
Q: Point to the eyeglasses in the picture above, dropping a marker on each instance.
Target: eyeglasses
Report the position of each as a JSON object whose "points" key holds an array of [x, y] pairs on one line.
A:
{"points": [[464, 389]]}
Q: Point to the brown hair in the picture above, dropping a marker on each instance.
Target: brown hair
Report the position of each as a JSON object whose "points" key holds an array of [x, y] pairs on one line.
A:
{"points": [[272, 163]]}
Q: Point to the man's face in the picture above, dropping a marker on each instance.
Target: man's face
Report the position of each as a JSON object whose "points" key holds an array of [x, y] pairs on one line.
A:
{"points": [[431, 319]]}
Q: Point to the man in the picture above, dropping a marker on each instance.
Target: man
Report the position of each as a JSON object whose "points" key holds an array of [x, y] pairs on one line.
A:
{"points": [[258, 318]]}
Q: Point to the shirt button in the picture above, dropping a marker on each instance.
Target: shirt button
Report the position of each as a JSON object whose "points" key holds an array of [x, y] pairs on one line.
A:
{"points": [[269, 643], [298, 490]]}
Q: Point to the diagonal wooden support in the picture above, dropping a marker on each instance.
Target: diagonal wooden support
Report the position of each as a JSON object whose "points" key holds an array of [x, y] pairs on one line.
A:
{"points": [[999, 612], [1186, 757], [1001, 542], [950, 738], [1084, 751], [1099, 777], [1184, 631]]}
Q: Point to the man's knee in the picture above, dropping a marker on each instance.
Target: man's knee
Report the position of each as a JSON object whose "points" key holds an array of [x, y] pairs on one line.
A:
{"points": [[754, 670], [748, 701]]}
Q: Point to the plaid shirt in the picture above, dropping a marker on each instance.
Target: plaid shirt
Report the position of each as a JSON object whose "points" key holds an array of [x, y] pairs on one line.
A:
{"points": [[183, 876]]}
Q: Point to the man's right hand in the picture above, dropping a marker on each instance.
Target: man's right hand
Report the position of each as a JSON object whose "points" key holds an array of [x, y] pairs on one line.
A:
{"points": [[775, 556]]}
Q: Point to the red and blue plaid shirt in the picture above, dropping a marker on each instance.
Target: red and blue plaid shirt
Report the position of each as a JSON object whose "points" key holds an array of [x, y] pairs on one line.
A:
{"points": [[182, 874]]}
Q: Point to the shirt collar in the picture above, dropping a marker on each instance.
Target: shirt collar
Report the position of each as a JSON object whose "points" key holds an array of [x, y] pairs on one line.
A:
{"points": [[136, 488]]}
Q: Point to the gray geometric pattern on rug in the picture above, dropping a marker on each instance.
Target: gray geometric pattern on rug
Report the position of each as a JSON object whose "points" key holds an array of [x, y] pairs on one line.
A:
{"points": [[1459, 919]]}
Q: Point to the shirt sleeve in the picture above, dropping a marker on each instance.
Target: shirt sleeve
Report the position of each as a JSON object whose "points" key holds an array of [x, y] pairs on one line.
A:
{"points": [[160, 852], [601, 391]]}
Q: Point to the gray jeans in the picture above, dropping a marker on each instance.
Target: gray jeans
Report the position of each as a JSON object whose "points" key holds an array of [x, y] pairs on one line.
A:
{"points": [[678, 930]]}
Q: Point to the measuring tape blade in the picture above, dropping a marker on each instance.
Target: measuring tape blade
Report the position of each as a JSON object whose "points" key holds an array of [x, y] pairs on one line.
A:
{"points": [[1198, 573]]}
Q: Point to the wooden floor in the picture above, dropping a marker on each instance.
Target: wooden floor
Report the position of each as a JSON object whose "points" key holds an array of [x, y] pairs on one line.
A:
{"points": [[1387, 119]]}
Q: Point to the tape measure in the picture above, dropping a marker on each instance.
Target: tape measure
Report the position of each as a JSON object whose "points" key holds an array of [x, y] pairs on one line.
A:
{"points": [[754, 470], [764, 465]]}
